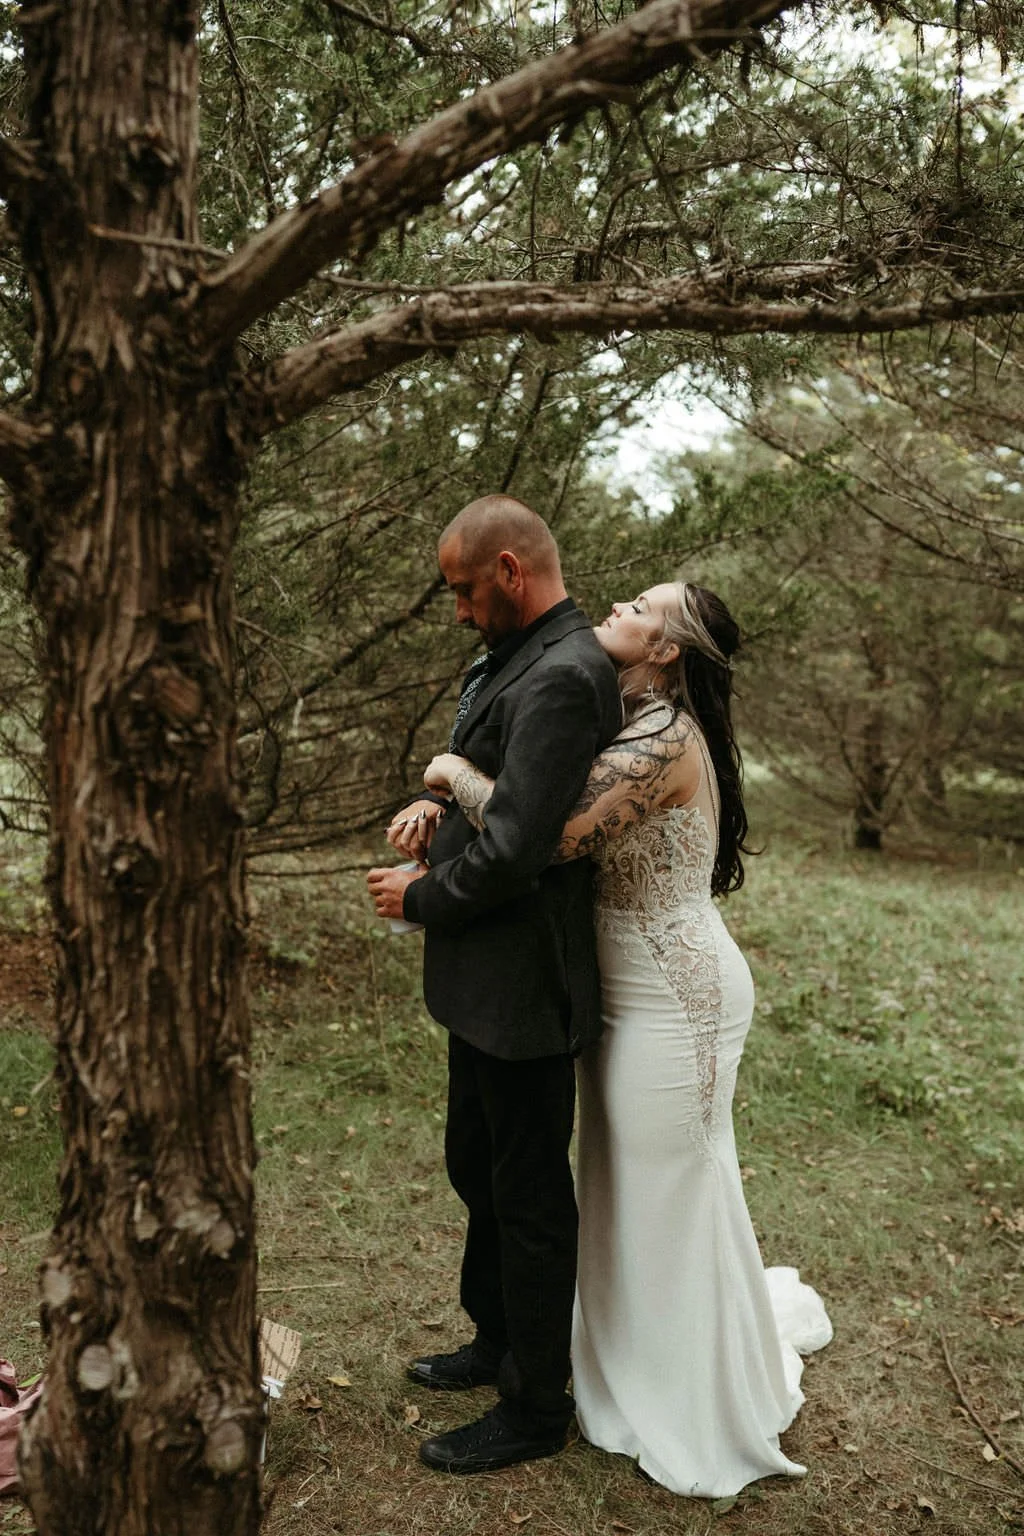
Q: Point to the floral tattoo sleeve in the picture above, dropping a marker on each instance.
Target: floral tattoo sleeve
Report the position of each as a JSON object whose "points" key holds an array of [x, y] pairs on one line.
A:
{"points": [[628, 778], [472, 788]]}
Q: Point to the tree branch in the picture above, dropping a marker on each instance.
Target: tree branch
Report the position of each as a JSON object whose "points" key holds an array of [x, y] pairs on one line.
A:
{"points": [[363, 18], [19, 441], [350, 656], [400, 179], [242, 86], [308, 375], [18, 166]]}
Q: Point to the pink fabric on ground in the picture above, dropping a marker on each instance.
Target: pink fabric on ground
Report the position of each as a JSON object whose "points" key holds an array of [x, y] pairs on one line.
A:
{"points": [[13, 1407]]}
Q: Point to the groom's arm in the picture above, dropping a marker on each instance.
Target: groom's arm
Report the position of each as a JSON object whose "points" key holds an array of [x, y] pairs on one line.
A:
{"points": [[552, 739], [626, 781]]}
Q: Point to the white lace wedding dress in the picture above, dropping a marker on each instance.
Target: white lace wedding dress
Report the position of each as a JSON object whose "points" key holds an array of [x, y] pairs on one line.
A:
{"points": [[685, 1353]]}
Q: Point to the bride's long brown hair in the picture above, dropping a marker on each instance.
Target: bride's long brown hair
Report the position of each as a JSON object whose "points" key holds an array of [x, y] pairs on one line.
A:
{"points": [[700, 682]]}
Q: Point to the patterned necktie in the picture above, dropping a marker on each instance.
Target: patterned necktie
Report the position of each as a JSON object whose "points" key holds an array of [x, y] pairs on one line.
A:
{"points": [[471, 685]]}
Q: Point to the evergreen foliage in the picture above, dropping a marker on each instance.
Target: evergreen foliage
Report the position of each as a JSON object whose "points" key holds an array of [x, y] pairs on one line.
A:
{"points": [[853, 154]]}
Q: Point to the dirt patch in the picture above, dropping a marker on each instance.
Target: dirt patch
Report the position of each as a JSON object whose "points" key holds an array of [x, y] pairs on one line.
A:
{"points": [[26, 975], [27, 972]]}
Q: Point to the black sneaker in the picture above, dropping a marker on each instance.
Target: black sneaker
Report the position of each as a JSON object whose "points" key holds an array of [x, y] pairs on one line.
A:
{"points": [[470, 1366], [485, 1446]]}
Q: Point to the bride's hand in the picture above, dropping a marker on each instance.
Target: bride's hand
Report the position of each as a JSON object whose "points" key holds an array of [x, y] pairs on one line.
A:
{"points": [[441, 770]]}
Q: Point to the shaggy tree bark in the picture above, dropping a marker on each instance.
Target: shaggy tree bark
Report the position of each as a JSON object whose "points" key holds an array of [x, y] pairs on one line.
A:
{"points": [[126, 506]]}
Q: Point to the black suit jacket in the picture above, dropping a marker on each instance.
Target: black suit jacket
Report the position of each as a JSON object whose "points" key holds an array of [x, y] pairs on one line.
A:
{"points": [[509, 961]]}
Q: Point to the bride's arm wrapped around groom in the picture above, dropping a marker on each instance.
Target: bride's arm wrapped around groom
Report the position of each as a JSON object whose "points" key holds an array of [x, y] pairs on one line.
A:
{"points": [[655, 760]]}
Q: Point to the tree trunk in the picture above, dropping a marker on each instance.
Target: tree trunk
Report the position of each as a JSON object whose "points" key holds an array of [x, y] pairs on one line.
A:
{"points": [[151, 1419], [934, 780], [933, 691], [873, 767]]}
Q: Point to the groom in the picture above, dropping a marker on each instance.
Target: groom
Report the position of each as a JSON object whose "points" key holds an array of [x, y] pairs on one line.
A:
{"points": [[510, 971]]}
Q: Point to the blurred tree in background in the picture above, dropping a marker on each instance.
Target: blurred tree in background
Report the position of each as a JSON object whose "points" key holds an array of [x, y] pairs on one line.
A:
{"points": [[884, 590]]}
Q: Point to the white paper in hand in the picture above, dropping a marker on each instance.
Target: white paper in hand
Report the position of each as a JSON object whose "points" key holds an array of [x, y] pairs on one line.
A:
{"points": [[399, 924]]}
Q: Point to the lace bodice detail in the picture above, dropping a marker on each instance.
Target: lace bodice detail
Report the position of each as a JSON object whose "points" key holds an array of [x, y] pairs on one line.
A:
{"points": [[658, 865], [654, 894]]}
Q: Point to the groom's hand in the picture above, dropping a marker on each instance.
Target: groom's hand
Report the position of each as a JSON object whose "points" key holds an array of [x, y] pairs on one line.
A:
{"points": [[388, 887], [413, 828]]}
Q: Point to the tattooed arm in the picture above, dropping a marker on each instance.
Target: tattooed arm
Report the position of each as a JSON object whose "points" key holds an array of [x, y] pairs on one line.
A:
{"points": [[654, 761], [472, 788]]}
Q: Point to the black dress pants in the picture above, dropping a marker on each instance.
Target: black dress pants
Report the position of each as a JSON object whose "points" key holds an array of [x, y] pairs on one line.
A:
{"points": [[507, 1152]]}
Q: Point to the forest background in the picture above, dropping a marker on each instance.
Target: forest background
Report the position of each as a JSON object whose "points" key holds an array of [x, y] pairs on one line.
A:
{"points": [[861, 511], [817, 232]]}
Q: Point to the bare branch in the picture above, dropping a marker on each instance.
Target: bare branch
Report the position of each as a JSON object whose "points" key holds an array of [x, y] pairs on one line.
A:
{"points": [[18, 166], [1003, 579], [242, 86], [356, 13], [19, 440], [349, 657], [400, 179], [348, 359], [157, 242]]}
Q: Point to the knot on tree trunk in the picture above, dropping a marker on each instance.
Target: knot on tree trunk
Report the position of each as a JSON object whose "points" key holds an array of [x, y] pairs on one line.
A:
{"points": [[144, 1219], [226, 1448], [79, 387], [95, 1368], [204, 1220], [134, 870], [108, 1367], [186, 20], [178, 697], [56, 1285], [161, 718], [151, 158], [56, 474]]}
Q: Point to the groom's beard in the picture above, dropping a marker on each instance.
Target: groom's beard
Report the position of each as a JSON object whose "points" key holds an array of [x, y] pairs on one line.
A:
{"points": [[504, 618]]}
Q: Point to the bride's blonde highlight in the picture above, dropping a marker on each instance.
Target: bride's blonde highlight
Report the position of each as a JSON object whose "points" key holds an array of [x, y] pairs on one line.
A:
{"points": [[699, 682]]}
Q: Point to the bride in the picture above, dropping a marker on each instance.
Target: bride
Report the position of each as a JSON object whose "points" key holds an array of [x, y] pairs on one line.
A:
{"points": [[685, 1351]]}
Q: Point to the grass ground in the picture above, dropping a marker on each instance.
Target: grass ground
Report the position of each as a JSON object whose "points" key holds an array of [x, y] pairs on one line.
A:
{"points": [[881, 1134]]}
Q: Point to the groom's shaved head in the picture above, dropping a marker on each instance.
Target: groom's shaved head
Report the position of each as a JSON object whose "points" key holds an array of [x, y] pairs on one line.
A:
{"points": [[495, 523], [501, 564]]}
